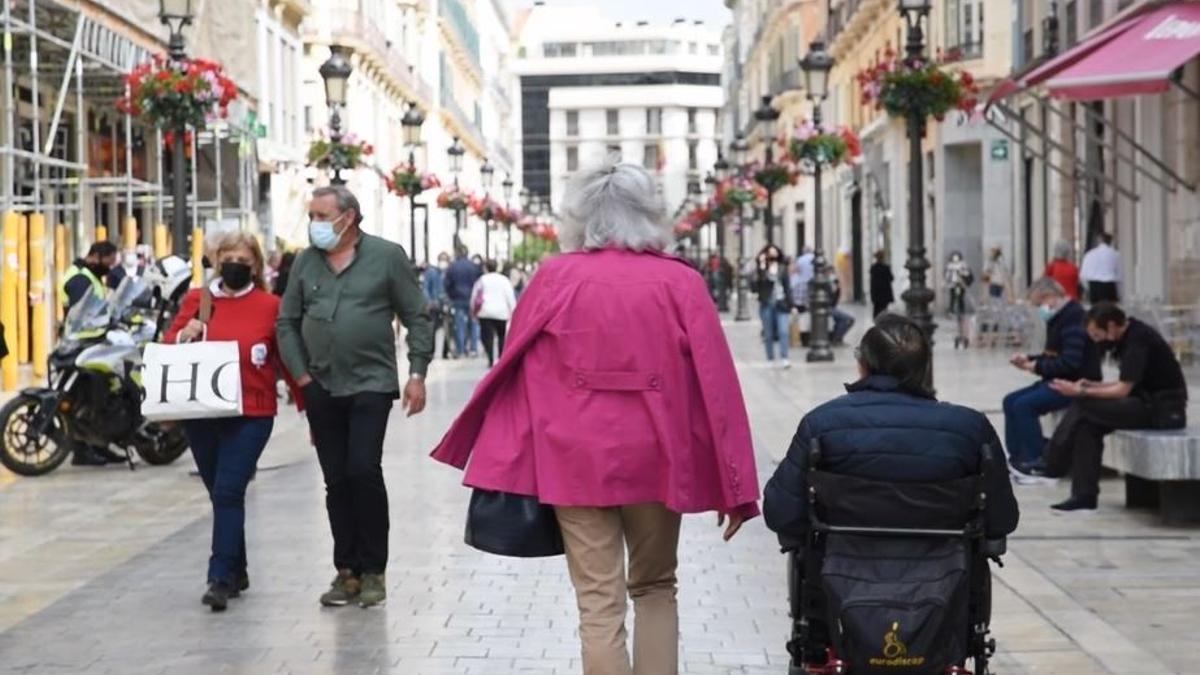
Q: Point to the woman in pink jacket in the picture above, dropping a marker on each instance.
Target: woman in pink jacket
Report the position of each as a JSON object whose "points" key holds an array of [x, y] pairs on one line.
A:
{"points": [[616, 402]]}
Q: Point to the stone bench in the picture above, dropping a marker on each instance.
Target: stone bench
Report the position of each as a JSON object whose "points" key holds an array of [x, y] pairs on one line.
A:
{"points": [[1161, 469]]}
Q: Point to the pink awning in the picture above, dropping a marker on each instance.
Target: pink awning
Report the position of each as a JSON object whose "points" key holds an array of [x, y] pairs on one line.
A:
{"points": [[1137, 60]]}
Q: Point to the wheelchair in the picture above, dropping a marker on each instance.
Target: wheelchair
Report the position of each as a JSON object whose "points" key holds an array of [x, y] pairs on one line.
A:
{"points": [[891, 577]]}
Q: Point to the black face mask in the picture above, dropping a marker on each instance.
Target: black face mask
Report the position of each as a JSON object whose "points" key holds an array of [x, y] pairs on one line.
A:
{"points": [[100, 271], [1106, 346], [235, 275]]}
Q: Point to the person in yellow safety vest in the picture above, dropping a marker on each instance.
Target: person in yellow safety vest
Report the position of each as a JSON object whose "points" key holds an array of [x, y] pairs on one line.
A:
{"points": [[85, 276]]}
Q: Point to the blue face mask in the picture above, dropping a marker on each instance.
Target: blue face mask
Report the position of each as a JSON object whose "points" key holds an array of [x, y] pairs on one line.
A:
{"points": [[1046, 312], [321, 234]]}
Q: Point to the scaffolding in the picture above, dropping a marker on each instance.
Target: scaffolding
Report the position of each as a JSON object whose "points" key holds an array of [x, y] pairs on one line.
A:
{"points": [[70, 159]]}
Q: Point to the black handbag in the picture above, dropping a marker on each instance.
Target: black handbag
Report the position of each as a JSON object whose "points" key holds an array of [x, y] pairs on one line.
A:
{"points": [[512, 525]]}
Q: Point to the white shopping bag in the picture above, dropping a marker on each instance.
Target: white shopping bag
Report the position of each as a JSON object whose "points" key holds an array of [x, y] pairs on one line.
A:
{"points": [[197, 380]]}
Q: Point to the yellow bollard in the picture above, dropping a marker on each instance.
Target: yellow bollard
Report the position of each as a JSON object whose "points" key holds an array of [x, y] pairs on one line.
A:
{"points": [[161, 247], [197, 257], [8, 300], [101, 233], [40, 330], [23, 290], [60, 266], [131, 232]]}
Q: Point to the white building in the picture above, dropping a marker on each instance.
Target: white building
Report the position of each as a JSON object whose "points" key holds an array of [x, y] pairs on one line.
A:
{"points": [[591, 87]]}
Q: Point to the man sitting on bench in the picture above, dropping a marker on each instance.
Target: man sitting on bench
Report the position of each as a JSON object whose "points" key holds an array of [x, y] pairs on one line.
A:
{"points": [[1149, 394]]}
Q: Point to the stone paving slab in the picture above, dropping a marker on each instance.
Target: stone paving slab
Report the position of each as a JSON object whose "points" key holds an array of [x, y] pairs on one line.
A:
{"points": [[101, 571]]}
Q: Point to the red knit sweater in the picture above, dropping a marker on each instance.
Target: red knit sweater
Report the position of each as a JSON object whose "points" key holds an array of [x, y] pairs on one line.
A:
{"points": [[248, 320]]}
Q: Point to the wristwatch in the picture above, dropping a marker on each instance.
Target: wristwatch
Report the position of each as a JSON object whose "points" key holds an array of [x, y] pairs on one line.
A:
{"points": [[417, 376]]}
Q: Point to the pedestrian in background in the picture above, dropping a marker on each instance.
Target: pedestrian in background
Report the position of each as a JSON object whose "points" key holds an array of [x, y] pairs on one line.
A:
{"points": [[773, 286], [240, 309], [882, 293], [616, 330], [335, 335], [1069, 355], [1101, 270], [433, 285], [460, 280], [1063, 270], [495, 301], [843, 321], [474, 336], [283, 273], [997, 275], [959, 278]]}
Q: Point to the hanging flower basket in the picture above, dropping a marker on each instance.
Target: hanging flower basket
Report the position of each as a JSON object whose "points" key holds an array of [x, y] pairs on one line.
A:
{"points": [[735, 191], [812, 145], [406, 181], [505, 216], [775, 175], [917, 87], [454, 199], [526, 223], [347, 152], [546, 232], [173, 94], [486, 209]]}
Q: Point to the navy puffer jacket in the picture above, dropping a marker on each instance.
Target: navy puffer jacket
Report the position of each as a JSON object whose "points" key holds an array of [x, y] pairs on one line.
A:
{"points": [[1070, 354], [879, 432]]}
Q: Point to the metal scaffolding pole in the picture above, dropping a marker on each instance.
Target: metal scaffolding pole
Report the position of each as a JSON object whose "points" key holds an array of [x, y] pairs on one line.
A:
{"points": [[10, 138], [35, 87]]}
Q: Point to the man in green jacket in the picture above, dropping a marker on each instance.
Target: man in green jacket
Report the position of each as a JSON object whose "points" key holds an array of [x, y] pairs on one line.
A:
{"points": [[336, 339]]}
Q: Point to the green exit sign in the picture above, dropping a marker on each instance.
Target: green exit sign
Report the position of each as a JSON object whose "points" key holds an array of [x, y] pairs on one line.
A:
{"points": [[1000, 150]]}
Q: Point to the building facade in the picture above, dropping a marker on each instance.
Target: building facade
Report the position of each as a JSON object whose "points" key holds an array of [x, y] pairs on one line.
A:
{"points": [[592, 89]]}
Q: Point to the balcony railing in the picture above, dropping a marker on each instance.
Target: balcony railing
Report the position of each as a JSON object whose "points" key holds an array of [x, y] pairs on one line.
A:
{"points": [[347, 26], [460, 22]]}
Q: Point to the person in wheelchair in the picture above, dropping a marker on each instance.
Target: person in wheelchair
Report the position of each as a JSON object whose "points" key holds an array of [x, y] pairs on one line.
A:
{"points": [[889, 504]]}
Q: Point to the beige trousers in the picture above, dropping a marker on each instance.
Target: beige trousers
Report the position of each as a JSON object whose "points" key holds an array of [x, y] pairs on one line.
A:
{"points": [[595, 541]]}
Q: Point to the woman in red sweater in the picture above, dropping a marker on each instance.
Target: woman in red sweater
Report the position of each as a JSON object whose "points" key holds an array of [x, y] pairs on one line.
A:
{"points": [[1062, 270], [226, 450]]}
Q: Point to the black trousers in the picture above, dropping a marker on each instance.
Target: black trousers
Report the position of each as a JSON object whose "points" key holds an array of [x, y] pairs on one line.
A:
{"points": [[493, 332], [1102, 291], [1078, 442], [348, 432], [878, 308]]}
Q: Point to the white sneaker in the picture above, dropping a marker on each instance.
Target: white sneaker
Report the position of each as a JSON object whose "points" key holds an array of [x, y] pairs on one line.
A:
{"points": [[785, 364]]}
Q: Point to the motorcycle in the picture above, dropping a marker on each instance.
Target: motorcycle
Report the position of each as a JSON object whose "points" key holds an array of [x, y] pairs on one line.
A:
{"points": [[95, 393]]}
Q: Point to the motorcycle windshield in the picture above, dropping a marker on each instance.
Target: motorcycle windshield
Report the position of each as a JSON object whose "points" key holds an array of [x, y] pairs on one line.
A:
{"points": [[88, 317], [130, 290]]}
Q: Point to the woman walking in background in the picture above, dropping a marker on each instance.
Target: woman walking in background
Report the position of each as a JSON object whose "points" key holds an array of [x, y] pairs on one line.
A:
{"points": [[882, 294], [240, 309], [616, 402], [494, 300], [774, 302]]}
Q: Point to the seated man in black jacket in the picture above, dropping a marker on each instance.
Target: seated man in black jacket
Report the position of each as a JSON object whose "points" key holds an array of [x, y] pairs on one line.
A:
{"points": [[890, 427], [1069, 354]]}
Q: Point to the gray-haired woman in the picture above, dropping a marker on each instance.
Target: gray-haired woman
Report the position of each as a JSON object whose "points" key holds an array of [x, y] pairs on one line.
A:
{"points": [[616, 402]]}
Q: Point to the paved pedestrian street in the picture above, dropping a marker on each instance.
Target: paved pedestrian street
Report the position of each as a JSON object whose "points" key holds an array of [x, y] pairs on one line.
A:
{"points": [[101, 571]]}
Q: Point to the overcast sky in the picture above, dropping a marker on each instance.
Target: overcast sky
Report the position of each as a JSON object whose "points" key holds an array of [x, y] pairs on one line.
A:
{"points": [[713, 12]]}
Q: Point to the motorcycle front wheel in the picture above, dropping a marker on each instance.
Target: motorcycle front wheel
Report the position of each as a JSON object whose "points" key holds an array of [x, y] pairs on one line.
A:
{"points": [[168, 444], [25, 451]]}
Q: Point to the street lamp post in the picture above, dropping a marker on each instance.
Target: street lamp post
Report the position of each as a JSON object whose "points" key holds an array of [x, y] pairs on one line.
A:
{"points": [[411, 122], [693, 190], [455, 154], [336, 73], [816, 65], [176, 14], [918, 296], [767, 115], [721, 169], [739, 149], [486, 173], [507, 188]]}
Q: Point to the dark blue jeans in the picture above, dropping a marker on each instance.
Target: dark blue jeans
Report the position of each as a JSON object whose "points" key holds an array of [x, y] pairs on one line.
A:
{"points": [[462, 326], [226, 452], [1022, 431]]}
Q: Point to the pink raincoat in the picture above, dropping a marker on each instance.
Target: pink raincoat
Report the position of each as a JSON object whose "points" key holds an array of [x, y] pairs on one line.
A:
{"points": [[616, 387]]}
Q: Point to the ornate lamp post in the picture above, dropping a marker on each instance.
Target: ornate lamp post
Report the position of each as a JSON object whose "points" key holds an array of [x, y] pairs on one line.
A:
{"points": [[486, 174], [918, 296], [816, 65], [694, 195], [455, 154], [767, 116], [739, 149], [411, 122], [507, 188], [721, 170], [176, 14], [336, 73]]}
